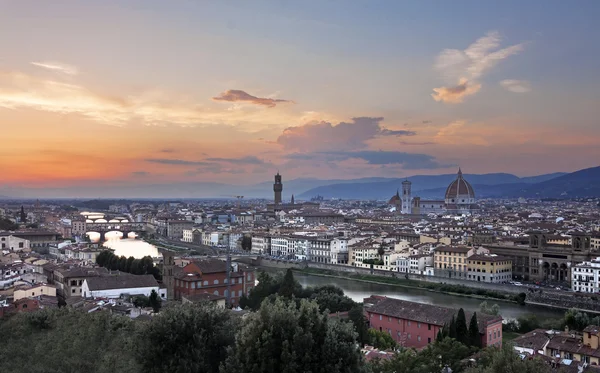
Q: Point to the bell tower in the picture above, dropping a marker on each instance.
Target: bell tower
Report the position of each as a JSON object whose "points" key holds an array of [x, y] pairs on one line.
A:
{"points": [[406, 197], [278, 188]]}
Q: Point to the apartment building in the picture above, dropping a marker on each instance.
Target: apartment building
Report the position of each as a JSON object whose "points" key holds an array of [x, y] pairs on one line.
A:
{"points": [[261, 244], [419, 262], [339, 251], [489, 268], [585, 277], [320, 250]]}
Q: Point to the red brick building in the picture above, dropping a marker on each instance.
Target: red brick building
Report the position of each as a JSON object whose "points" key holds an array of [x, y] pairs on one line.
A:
{"points": [[210, 276], [416, 325]]}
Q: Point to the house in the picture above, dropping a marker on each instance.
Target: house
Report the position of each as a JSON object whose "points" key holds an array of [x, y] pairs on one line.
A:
{"points": [[416, 325], [26, 291], [69, 281], [116, 286], [219, 300], [210, 276]]}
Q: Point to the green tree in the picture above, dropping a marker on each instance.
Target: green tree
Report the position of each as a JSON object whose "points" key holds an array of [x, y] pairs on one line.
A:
{"points": [[287, 337], [122, 264], [381, 252], [129, 263], [186, 338], [462, 332], [361, 324], [154, 301], [381, 340], [246, 243], [44, 342], [528, 323], [288, 286], [474, 336], [489, 310], [452, 328], [506, 360], [576, 320]]}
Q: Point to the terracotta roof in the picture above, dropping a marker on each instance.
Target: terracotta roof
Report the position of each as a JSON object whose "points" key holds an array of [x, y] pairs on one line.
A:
{"points": [[210, 265], [420, 312], [121, 282], [459, 187], [453, 249], [535, 340]]}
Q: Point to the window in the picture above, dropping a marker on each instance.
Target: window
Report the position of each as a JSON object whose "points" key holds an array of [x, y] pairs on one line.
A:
{"points": [[419, 325], [205, 283], [216, 282], [419, 338], [408, 322], [428, 326], [389, 319], [72, 291], [216, 292], [193, 285], [428, 340], [408, 336], [380, 317]]}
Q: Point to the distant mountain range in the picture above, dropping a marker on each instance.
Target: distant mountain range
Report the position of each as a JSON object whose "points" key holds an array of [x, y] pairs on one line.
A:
{"points": [[583, 183], [428, 186]]}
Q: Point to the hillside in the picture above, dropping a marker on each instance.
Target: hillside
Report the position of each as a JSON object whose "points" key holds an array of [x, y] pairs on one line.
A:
{"points": [[429, 186], [582, 183]]}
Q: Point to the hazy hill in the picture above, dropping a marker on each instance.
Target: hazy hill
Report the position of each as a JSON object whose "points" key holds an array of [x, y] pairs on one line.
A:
{"points": [[582, 183]]}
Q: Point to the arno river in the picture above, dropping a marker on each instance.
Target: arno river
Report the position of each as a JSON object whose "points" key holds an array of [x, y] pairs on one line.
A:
{"points": [[360, 290]]}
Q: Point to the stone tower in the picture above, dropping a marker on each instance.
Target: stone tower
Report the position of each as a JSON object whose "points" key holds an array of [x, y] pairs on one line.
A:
{"points": [[406, 197], [278, 188], [167, 273]]}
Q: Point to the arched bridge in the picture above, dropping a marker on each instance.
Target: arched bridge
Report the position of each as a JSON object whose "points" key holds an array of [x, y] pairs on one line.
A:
{"points": [[125, 228]]}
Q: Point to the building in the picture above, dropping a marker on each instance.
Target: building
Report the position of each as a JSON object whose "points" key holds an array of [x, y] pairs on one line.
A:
{"points": [[451, 261], [418, 263], [320, 250], [339, 251], [277, 189], [210, 276], [489, 268], [585, 277], [459, 199], [322, 217], [13, 243], [416, 325], [69, 281], [78, 227], [261, 244], [175, 228], [26, 291], [118, 286]]}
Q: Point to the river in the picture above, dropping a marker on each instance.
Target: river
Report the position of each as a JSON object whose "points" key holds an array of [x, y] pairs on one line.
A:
{"points": [[358, 290]]}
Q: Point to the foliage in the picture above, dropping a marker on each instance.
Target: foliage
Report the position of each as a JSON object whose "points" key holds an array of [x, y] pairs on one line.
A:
{"points": [[462, 333], [288, 285], [285, 337], [489, 310], [381, 340], [154, 301], [474, 336], [67, 341], [578, 320], [506, 360], [431, 359], [377, 262], [186, 338], [520, 298], [8, 225], [361, 324], [246, 243], [144, 266], [380, 251]]}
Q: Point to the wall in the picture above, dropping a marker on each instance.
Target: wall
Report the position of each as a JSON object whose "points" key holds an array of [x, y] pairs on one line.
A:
{"points": [[116, 293]]}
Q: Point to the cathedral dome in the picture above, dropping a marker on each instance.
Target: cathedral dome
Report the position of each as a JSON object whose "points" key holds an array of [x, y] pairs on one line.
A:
{"points": [[395, 199], [460, 191]]}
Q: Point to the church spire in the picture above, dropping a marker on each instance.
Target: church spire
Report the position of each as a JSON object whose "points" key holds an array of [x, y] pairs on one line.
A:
{"points": [[459, 172]]}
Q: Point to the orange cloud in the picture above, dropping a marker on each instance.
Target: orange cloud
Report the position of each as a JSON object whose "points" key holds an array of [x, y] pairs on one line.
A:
{"points": [[236, 95], [457, 94]]}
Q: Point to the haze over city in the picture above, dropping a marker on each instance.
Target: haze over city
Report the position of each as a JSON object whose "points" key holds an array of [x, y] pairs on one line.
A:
{"points": [[230, 92]]}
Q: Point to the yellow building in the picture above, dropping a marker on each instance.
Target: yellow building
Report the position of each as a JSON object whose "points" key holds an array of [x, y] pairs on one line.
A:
{"points": [[451, 261], [489, 268], [27, 291]]}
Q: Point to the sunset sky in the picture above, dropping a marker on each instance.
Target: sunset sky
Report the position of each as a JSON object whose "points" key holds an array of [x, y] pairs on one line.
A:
{"points": [[132, 92]]}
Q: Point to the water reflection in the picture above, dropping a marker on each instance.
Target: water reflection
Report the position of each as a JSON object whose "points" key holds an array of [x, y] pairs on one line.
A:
{"points": [[127, 247]]}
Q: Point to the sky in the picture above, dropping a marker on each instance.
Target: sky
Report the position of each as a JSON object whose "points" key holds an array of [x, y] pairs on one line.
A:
{"points": [[136, 92]]}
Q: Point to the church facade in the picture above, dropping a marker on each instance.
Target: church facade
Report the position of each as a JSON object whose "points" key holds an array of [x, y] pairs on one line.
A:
{"points": [[459, 199]]}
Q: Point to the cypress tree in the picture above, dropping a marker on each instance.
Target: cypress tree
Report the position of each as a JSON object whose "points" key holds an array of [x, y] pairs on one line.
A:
{"points": [[474, 337], [452, 328], [462, 333], [287, 285]]}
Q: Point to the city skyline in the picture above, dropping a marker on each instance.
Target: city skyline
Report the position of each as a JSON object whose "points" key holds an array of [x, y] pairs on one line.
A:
{"points": [[112, 94]]}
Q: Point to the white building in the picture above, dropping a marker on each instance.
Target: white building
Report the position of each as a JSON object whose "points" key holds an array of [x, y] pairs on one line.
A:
{"points": [[261, 244], [188, 235], [235, 240], [116, 286], [10, 242], [418, 263], [403, 264], [585, 277], [279, 246], [339, 251]]}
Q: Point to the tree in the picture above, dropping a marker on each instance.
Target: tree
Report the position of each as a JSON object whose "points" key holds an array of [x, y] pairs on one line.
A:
{"points": [[23, 216], [474, 337], [452, 328], [361, 324], [186, 338], [576, 320], [462, 333], [381, 340], [285, 337], [506, 360], [154, 301], [489, 310], [381, 252], [288, 285], [246, 243]]}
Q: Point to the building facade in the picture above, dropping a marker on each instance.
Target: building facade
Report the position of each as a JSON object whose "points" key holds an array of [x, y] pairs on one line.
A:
{"points": [[489, 268]]}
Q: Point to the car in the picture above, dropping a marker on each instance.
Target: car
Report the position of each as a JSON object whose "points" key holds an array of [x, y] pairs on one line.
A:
{"points": [[518, 284]]}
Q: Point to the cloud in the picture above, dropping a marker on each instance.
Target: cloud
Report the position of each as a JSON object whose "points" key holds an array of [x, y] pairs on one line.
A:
{"points": [[140, 173], [154, 108], [469, 65], [426, 122], [249, 160], [457, 94], [517, 86], [58, 67], [167, 150], [176, 162], [455, 133], [325, 136], [409, 161], [236, 95]]}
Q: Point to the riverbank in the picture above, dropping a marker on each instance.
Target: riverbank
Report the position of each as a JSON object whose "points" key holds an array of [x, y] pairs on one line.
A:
{"points": [[455, 290]]}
